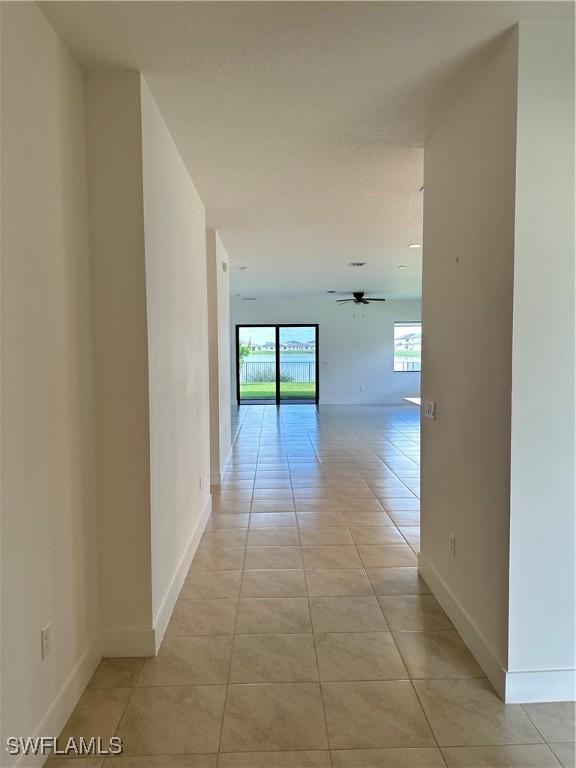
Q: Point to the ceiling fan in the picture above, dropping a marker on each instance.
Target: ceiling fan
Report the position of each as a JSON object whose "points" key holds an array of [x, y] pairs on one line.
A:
{"points": [[358, 299]]}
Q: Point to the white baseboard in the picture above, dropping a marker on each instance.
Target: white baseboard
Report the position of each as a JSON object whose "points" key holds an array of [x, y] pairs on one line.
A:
{"points": [[514, 687], [470, 633], [165, 611], [127, 641], [64, 702], [362, 400], [525, 687], [216, 477], [124, 641], [145, 641]]}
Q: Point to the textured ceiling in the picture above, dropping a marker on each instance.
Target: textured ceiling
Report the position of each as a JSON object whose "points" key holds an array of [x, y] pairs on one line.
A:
{"points": [[302, 124]]}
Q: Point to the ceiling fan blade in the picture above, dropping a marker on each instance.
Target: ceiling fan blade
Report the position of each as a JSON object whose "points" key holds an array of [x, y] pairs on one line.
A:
{"points": [[371, 299], [343, 301], [363, 301]]}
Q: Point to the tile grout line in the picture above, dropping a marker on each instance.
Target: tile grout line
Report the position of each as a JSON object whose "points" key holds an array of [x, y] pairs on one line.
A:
{"points": [[539, 731], [230, 660], [122, 716], [315, 653], [426, 716], [320, 682]]}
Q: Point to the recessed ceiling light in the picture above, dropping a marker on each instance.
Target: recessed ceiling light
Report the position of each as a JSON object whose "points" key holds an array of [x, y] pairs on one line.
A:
{"points": [[242, 269], [247, 298], [414, 245], [357, 264], [401, 266]]}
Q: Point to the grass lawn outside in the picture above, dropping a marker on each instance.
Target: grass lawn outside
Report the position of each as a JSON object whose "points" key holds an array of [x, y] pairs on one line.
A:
{"points": [[267, 389]]}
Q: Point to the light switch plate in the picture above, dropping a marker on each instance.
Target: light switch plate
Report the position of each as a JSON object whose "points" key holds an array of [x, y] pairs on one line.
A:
{"points": [[430, 409]]}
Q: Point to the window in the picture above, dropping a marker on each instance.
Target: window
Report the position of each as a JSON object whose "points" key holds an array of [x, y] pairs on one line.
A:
{"points": [[407, 346]]}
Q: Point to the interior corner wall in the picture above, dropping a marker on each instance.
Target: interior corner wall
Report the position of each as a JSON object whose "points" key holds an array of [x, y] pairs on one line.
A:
{"points": [[49, 527], [116, 210], [356, 345], [219, 343], [176, 296], [469, 197], [542, 643]]}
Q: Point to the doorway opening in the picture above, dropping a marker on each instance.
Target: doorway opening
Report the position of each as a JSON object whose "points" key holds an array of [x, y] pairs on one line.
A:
{"points": [[277, 363]]}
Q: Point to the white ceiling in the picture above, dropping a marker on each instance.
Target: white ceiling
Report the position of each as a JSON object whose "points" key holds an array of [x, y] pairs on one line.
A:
{"points": [[302, 124]]}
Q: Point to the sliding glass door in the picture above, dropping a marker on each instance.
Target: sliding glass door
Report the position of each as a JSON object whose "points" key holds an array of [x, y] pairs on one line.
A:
{"points": [[297, 354], [277, 363], [256, 363]]}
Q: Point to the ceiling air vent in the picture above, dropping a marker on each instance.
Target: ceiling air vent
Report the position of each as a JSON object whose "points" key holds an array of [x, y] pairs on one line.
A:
{"points": [[357, 264]]}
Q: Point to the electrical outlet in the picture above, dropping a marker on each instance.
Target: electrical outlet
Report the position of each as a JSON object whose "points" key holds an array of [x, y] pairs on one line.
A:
{"points": [[430, 409], [452, 539], [46, 641]]}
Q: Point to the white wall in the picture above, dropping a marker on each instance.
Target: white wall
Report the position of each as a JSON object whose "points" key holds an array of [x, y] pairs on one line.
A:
{"points": [[498, 461], [219, 343], [104, 376], [120, 359], [176, 296], [151, 360], [49, 551], [469, 165], [356, 345], [542, 600]]}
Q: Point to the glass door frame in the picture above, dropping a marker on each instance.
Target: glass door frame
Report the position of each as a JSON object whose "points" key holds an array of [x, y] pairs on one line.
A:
{"points": [[276, 326]]}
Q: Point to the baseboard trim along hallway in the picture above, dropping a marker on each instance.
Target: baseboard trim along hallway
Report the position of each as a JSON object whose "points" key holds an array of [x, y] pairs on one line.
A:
{"points": [[539, 685], [64, 702], [216, 477], [515, 687], [474, 639], [165, 612], [127, 641]]}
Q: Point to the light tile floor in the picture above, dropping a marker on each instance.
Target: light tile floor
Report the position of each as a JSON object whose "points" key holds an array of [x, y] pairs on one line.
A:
{"points": [[303, 636]]}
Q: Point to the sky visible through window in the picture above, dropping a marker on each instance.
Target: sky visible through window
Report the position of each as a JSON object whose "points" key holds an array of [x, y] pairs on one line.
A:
{"points": [[262, 335]]}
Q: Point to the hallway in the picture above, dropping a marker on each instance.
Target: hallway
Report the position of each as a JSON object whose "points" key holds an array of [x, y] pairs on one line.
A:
{"points": [[303, 636]]}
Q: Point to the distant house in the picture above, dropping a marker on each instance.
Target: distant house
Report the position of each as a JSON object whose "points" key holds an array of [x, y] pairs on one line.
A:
{"points": [[408, 341], [298, 346], [270, 346], [267, 345]]}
